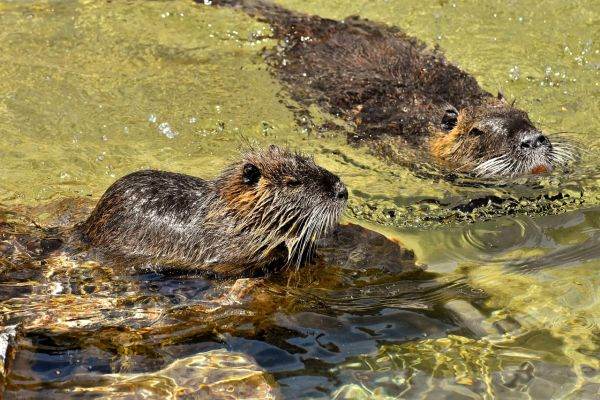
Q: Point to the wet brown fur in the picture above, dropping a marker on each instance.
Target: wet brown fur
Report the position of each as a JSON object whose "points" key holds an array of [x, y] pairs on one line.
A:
{"points": [[391, 85], [263, 212]]}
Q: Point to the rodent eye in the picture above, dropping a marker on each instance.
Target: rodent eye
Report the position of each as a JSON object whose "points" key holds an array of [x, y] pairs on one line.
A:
{"points": [[475, 132], [291, 181], [251, 174], [449, 119]]}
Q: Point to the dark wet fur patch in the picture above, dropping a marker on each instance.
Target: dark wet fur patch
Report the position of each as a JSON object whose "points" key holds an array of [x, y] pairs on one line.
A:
{"points": [[375, 75]]}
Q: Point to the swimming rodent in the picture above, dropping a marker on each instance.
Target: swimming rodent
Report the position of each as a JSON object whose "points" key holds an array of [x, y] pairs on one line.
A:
{"points": [[397, 92], [263, 212]]}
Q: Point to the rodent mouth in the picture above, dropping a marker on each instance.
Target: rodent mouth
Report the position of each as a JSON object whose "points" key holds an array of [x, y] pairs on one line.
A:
{"points": [[510, 165], [541, 169]]}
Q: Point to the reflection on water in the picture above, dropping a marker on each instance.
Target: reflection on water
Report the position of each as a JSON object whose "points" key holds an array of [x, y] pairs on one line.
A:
{"points": [[364, 321], [504, 307], [215, 374], [77, 317], [458, 367], [541, 276]]}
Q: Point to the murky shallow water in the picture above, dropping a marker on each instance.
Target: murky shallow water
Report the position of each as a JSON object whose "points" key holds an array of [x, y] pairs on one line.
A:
{"points": [[92, 90]]}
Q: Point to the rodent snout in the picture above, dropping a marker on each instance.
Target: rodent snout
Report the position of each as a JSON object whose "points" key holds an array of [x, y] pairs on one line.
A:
{"points": [[533, 140], [341, 193]]}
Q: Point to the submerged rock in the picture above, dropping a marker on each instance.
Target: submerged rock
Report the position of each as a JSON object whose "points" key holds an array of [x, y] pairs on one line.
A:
{"points": [[89, 326], [470, 318], [356, 247], [60, 292]]}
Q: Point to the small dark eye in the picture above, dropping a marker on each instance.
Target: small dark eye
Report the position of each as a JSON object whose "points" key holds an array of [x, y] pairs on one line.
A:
{"points": [[251, 174], [291, 181], [475, 132], [449, 119]]}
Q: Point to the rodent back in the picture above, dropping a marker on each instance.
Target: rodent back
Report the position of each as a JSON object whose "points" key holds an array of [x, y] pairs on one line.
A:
{"points": [[142, 211]]}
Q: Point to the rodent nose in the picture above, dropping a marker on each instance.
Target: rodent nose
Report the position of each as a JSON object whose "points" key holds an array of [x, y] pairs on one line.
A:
{"points": [[533, 141], [341, 192]]}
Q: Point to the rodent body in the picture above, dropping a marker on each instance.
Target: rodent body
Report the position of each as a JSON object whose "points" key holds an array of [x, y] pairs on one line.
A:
{"points": [[262, 212], [397, 91]]}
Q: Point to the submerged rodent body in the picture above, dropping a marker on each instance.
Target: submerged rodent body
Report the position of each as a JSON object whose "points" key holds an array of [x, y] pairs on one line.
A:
{"points": [[263, 212], [397, 92]]}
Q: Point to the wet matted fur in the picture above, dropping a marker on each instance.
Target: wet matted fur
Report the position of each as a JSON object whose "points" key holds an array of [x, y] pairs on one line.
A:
{"points": [[265, 211], [397, 92]]}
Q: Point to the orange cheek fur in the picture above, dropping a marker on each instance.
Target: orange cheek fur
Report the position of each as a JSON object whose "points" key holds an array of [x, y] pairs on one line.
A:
{"points": [[441, 145], [243, 199]]}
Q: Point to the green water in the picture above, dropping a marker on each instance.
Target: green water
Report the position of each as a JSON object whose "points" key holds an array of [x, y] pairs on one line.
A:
{"points": [[91, 90]]}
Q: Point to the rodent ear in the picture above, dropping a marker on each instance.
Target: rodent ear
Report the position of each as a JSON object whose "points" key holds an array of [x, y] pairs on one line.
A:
{"points": [[251, 174], [449, 119]]}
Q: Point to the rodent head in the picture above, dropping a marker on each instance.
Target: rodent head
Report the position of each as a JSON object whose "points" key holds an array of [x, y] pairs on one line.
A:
{"points": [[494, 139], [283, 197]]}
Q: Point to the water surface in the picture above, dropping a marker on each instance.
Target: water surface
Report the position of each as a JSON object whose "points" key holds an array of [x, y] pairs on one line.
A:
{"points": [[91, 90]]}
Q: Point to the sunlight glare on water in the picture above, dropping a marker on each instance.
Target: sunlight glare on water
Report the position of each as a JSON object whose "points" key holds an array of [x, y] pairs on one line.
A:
{"points": [[508, 306]]}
